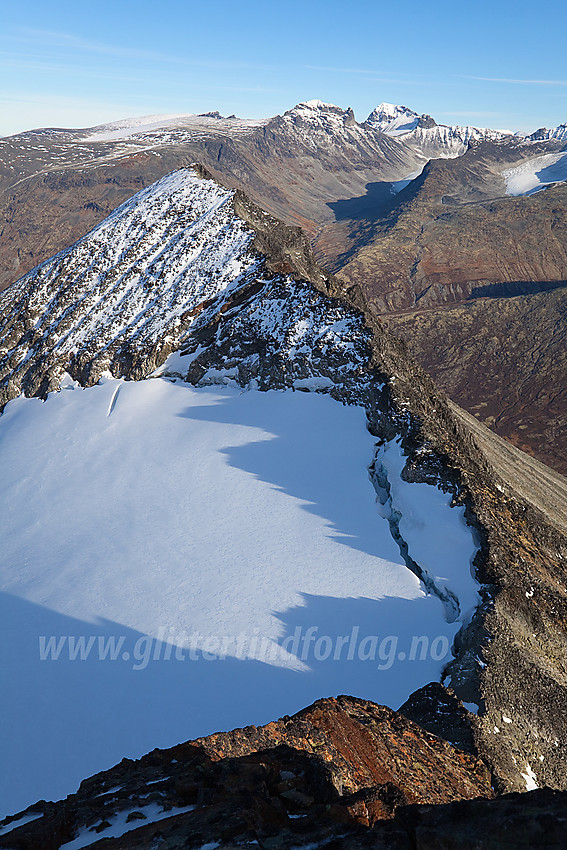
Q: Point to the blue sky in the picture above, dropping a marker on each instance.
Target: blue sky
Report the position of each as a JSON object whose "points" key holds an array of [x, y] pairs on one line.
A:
{"points": [[499, 64]]}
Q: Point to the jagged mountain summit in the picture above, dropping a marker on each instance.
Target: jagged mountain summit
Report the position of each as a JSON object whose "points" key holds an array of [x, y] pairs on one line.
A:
{"points": [[188, 525], [435, 140], [428, 239], [559, 132]]}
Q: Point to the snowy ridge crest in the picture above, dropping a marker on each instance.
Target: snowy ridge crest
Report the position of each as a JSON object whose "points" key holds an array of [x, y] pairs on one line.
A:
{"points": [[559, 132], [174, 268], [138, 278], [423, 132], [317, 115]]}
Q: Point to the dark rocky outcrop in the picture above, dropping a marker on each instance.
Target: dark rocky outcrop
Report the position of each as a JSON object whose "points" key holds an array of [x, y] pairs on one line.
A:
{"points": [[343, 773], [339, 766], [439, 711]]}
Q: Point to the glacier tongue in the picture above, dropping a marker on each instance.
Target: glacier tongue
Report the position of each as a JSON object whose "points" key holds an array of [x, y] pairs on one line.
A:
{"points": [[535, 174]]}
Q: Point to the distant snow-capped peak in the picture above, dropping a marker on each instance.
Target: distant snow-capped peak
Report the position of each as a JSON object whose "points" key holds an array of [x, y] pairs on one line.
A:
{"points": [[423, 131], [392, 119], [544, 134], [321, 114]]}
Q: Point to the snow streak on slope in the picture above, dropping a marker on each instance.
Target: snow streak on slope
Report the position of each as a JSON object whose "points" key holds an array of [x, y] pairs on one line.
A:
{"points": [[536, 174], [223, 522]]}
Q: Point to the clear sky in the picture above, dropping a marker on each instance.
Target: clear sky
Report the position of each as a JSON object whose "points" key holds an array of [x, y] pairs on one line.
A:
{"points": [[500, 64]]}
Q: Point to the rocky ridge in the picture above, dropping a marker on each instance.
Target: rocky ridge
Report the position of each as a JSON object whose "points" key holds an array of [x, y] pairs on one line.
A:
{"points": [[280, 321], [175, 259], [338, 766], [452, 235], [343, 773]]}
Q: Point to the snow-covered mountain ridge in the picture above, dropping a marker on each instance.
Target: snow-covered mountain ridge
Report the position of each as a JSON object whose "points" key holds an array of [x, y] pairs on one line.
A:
{"points": [[192, 506], [165, 262], [436, 140]]}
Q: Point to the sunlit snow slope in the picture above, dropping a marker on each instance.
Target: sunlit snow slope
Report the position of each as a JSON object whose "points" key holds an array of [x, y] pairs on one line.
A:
{"points": [[180, 559], [536, 174], [436, 140]]}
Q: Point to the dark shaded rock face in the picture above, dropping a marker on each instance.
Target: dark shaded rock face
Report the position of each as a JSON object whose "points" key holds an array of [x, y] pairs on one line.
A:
{"points": [[343, 773], [442, 713], [426, 122]]}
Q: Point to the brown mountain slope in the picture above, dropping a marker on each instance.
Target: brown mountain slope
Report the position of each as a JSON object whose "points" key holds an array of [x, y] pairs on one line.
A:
{"points": [[503, 359], [435, 246], [444, 242]]}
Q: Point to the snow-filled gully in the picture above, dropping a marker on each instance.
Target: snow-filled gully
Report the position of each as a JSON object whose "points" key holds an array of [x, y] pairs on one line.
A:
{"points": [[433, 538], [380, 482]]}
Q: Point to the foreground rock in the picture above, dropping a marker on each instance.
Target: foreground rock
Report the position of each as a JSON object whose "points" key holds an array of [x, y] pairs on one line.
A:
{"points": [[332, 768], [344, 773]]}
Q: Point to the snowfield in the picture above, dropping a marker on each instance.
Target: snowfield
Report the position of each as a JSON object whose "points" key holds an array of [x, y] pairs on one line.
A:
{"points": [[226, 548], [156, 127], [536, 174]]}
